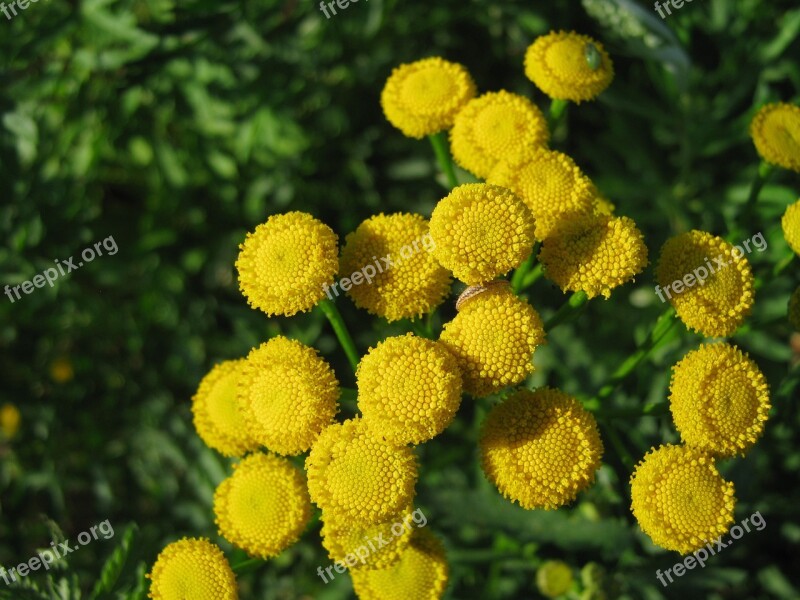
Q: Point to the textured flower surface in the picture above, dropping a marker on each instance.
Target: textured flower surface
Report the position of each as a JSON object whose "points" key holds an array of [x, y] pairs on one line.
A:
{"points": [[679, 498], [423, 97], [481, 231], [284, 264], [776, 134], [192, 568], [554, 578], [287, 395], [790, 223], [540, 448], [794, 309]]}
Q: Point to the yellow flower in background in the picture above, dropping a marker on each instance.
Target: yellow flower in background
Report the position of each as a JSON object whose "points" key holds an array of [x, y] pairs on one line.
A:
{"points": [[409, 389], [423, 97], [719, 399], [794, 309], [9, 420], [263, 507], [481, 231], [554, 578], [192, 568], [790, 222], [775, 130], [61, 370], [496, 126], [569, 66], [287, 395], [679, 498], [540, 448], [284, 264], [394, 274]]}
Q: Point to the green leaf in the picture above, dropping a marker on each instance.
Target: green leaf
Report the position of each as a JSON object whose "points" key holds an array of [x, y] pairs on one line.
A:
{"points": [[115, 563]]}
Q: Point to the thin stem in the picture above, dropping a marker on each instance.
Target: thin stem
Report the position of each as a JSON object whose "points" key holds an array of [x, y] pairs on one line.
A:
{"points": [[443, 157], [533, 276], [749, 209], [568, 310], [340, 329], [247, 565], [622, 451], [557, 109], [518, 278]]}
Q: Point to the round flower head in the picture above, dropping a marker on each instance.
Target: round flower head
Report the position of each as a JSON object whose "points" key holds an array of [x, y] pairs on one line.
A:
{"points": [[722, 299], [355, 475], [791, 226], [794, 309], [594, 253], [481, 231], [409, 389], [424, 97], [263, 507], [776, 134], [287, 395], [496, 126], [286, 262], [719, 400], [493, 338], [9, 420], [554, 578], [568, 66], [679, 498], [540, 448], [217, 417], [192, 568], [393, 274], [420, 574]]}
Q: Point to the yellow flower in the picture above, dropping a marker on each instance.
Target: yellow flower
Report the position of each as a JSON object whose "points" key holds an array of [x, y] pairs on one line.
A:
{"points": [[679, 498], [217, 417], [192, 568], [61, 370], [420, 574], [791, 226], [568, 66], [717, 306], [594, 253], [393, 272], [409, 389], [554, 578], [776, 134], [9, 420], [423, 97], [263, 507], [287, 394], [285, 263], [794, 309], [481, 231], [540, 448], [602, 205], [493, 338], [355, 475], [496, 126], [719, 400]]}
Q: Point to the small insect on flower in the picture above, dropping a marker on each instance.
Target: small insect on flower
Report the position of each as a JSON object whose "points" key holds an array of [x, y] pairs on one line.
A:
{"points": [[192, 568], [593, 57]]}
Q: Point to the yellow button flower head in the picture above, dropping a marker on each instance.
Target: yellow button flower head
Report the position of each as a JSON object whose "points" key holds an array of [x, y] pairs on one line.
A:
{"points": [[9, 420], [393, 273], [496, 126], [594, 253], [284, 264], [776, 133], [794, 309], [354, 474], [568, 66], [721, 303], [263, 507], [424, 97], [192, 568], [61, 370], [409, 389], [540, 448], [679, 498], [287, 395], [481, 231], [493, 338], [554, 578], [719, 400], [420, 574], [217, 417], [791, 226]]}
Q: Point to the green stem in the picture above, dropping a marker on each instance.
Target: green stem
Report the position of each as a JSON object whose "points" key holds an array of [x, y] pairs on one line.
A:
{"points": [[568, 310], [533, 276], [557, 109], [749, 209], [247, 565], [622, 451], [340, 329], [443, 157], [518, 278]]}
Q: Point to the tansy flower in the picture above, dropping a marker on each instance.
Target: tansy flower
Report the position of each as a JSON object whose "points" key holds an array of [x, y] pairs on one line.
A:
{"points": [[679, 498], [722, 299], [719, 400], [481, 231], [794, 309], [420, 574], [424, 97], [263, 507], [9, 420], [496, 126], [791, 226], [554, 578], [594, 253], [61, 370], [493, 338], [192, 568], [287, 395], [394, 274], [602, 205], [284, 264], [568, 66], [409, 389], [353, 474], [776, 134], [540, 448], [217, 417]]}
